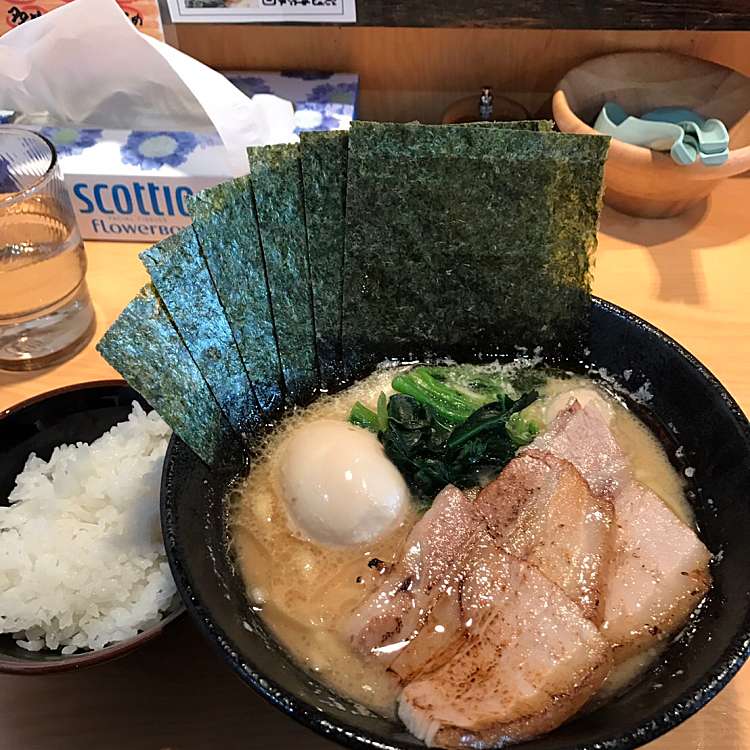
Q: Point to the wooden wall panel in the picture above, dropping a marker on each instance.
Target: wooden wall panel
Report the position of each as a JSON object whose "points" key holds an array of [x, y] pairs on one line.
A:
{"points": [[559, 14], [410, 73]]}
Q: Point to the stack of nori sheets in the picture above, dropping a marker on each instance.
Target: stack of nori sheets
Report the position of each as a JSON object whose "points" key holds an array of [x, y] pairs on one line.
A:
{"points": [[408, 241]]}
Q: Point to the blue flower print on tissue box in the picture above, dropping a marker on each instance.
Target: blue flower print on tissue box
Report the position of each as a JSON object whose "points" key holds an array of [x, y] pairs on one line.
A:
{"points": [[69, 141], [155, 149], [252, 85], [135, 184], [322, 101], [339, 92], [314, 116]]}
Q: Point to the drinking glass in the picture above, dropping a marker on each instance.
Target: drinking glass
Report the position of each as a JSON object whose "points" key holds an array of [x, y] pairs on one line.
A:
{"points": [[46, 314]]}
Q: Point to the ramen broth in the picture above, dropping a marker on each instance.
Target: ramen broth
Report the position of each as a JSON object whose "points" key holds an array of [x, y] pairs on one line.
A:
{"points": [[304, 591]]}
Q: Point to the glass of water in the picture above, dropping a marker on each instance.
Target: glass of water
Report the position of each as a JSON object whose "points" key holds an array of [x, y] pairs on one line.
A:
{"points": [[46, 314]]}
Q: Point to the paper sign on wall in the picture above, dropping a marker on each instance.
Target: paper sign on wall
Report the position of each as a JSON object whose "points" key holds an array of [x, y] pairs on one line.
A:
{"points": [[143, 14], [263, 11]]}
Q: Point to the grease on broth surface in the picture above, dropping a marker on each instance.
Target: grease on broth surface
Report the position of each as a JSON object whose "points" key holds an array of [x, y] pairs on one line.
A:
{"points": [[304, 590]]}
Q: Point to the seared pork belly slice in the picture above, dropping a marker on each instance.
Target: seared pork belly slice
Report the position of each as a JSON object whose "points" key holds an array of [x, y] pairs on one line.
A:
{"points": [[442, 635], [530, 661], [541, 510], [396, 611], [658, 575], [582, 436]]}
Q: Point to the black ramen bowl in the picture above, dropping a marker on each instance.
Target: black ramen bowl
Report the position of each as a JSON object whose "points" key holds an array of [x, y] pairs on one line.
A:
{"points": [[74, 413], [688, 408]]}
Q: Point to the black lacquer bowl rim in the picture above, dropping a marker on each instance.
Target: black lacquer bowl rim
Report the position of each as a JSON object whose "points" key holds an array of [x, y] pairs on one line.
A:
{"points": [[648, 729]]}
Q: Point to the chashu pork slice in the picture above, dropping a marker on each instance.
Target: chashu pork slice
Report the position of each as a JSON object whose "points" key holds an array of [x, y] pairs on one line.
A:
{"points": [[581, 435], [429, 565], [530, 660], [541, 510], [446, 629], [658, 575], [442, 636]]}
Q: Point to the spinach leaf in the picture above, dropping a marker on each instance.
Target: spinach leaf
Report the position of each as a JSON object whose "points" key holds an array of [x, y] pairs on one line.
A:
{"points": [[448, 404], [489, 418], [382, 412], [376, 422], [522, 431], [455, 392], [361, 416], [444, 425], [431, 455]]}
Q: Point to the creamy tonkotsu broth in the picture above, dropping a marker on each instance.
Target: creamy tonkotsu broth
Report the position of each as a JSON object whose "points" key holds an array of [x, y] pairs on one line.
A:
{"points": [[305, 591]]}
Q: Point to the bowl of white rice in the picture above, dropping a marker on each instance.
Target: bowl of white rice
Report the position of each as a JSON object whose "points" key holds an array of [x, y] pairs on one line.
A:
{"points": [[83, 573]]}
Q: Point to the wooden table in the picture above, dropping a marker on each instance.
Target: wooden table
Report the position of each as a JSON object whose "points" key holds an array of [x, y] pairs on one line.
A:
{"points": [[690, 276]]}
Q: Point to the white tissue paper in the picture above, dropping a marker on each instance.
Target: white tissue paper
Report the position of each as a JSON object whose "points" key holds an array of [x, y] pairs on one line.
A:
{"points": [[138, 125], [85, 63]]}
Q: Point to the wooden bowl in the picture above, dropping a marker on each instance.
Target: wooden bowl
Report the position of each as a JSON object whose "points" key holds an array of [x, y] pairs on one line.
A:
{"points": [[639, 181]]}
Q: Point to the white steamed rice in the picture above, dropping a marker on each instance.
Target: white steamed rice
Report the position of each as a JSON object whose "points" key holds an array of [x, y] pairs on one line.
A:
{"points": [[82, 561]]}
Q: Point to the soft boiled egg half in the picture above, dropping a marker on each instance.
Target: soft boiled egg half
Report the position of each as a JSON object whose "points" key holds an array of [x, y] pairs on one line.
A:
{"points": [[338, 485]]}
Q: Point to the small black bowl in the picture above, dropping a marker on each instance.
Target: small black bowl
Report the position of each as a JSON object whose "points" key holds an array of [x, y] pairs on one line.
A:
{"points": [[81, 412], [689, 408]]}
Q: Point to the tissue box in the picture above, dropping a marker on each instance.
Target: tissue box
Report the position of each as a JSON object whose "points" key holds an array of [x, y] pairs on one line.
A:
{"points": [[134, 185], [322, 101]]}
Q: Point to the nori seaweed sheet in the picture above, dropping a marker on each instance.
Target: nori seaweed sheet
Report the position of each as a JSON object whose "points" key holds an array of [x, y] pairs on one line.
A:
{"points": [[225, 222], [276, 178], [145, 348], [181, 278], [538, 126], [456, 233], [324, 158]]}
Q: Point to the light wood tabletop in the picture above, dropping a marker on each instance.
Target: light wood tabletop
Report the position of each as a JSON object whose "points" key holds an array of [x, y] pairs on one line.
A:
{"points": [[689, 275]]}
